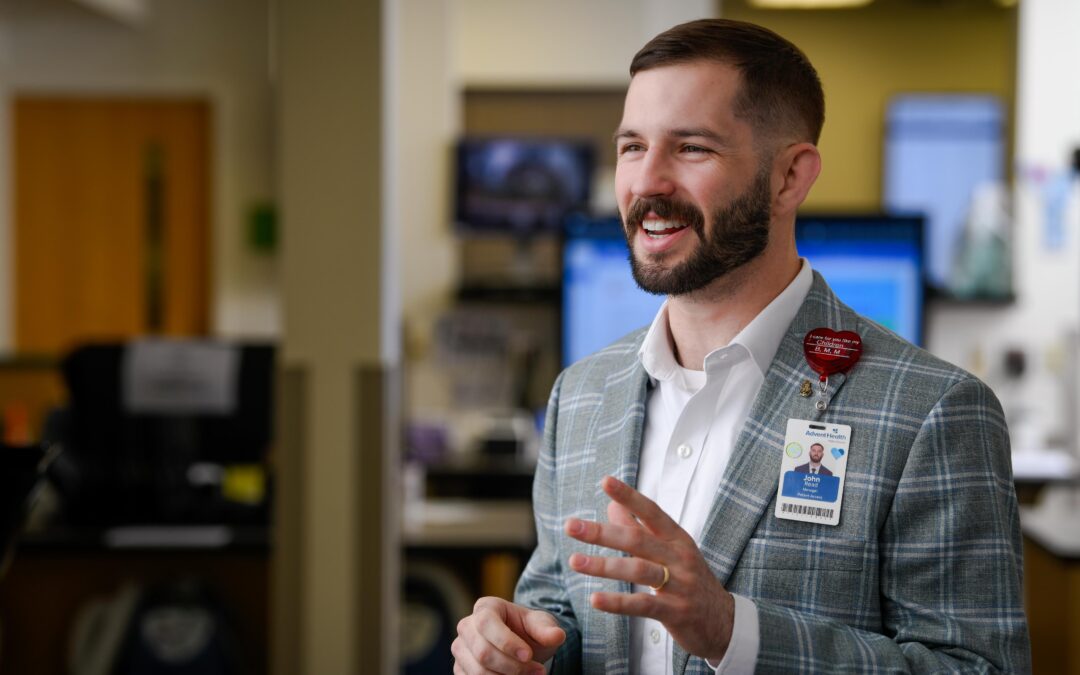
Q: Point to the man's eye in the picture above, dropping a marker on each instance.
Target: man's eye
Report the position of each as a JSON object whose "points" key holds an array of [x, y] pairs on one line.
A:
{"points": [[694, 148], [629, 147]]}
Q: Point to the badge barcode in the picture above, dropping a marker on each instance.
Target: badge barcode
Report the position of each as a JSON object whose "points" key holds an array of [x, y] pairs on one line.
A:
{"points": [[816, 511]]}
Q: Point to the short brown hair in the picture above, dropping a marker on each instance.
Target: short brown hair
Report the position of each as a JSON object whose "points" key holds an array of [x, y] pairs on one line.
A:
{"points": [[781, 91]]}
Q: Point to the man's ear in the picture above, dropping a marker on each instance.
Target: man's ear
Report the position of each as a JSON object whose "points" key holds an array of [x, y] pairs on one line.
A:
{"points": [[799, 166]]}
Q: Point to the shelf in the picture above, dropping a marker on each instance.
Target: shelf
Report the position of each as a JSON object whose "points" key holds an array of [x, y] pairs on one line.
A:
{"points": [[456, 523], [169, 538], [543, 294]]}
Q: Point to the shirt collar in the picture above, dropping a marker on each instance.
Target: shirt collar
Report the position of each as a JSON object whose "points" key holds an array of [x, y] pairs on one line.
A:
{"points": [[761, 337], [657, 351]]}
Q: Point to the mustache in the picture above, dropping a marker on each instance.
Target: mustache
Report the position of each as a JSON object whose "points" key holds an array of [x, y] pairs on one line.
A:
{"points": [[667, 209]]}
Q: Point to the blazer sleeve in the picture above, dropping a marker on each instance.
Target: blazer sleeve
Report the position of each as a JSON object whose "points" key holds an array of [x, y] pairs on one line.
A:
{"points": [[951, 562], [542, 584]]}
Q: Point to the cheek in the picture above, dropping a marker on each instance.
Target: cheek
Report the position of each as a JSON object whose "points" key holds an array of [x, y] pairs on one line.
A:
{"points": [[624, 183]]}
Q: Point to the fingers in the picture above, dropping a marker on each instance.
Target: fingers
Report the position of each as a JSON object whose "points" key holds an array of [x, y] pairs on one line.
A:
{"points": [[629, 539], [647, 511], [486, 641], [630, 604], [543, 629], [464, 662], [634, 570], [620, 515]]}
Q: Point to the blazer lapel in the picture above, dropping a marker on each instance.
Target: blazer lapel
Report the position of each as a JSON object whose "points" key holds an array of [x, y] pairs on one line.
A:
{"points": [[749, 482], [618, 436]]}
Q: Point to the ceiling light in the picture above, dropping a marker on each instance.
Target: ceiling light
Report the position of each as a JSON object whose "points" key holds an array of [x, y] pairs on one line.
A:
{"points": [[809, 4]]}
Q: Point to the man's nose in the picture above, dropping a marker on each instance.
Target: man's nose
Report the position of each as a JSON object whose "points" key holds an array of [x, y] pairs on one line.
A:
{"points": [[654, 176]]}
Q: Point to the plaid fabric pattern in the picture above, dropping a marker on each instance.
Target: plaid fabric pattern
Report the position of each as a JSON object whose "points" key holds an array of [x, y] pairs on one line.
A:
{"points": [[923, 573]]}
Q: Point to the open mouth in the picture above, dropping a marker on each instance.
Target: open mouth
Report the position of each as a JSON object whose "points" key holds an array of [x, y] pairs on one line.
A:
{"points": [[658, 229]]}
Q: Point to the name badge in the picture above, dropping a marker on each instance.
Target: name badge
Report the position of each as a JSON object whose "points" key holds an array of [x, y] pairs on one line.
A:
{"points": [[811, 485]]}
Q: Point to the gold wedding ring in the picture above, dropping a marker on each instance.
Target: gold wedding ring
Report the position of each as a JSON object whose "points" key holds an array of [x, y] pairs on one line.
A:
{"points": [[667, 576]]}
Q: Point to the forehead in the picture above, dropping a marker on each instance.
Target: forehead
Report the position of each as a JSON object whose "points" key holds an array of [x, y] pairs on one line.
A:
{"points": [[695, 94]]}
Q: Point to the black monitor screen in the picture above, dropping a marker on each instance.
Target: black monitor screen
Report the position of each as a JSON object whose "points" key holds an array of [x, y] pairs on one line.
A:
{"points": [[520, 185]]}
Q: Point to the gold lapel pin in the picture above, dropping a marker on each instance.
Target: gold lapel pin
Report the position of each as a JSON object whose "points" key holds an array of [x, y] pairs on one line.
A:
{"points": [[805, 389]]}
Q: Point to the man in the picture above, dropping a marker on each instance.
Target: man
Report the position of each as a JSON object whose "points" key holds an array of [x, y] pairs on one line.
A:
{"points": [[697, 568], [817, 452]]}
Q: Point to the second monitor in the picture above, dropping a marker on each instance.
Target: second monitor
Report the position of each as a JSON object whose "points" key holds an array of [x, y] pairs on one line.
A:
{"points": [[873, 263]]}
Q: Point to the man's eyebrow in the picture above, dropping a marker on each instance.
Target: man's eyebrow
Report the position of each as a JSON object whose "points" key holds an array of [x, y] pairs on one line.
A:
{"points": [[701, 132], [690, 132]]}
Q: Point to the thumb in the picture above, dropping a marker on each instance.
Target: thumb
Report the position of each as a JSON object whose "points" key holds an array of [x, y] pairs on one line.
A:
{"points": [[543, 629]]}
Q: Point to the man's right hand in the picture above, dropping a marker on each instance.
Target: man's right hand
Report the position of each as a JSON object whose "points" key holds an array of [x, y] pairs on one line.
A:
{"points": [[502, 637]]}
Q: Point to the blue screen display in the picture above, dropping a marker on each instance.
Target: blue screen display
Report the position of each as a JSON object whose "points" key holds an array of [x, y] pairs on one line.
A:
{"points": [[938, 149], [874, 264], [601, 302]]}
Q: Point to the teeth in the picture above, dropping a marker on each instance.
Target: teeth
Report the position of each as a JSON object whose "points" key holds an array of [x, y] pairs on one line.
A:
{"points": [[660, 225], [658, 229]]}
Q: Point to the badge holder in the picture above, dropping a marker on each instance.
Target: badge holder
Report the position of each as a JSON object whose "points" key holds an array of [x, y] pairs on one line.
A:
{"points": [[829, 352], [812, 471]]}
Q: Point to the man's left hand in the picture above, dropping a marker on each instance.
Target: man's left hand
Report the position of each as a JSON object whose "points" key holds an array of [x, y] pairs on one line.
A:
{"points": [[693, 605]]}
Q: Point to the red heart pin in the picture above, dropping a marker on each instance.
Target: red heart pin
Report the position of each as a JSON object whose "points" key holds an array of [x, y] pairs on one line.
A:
{"points": [[829, 351]]}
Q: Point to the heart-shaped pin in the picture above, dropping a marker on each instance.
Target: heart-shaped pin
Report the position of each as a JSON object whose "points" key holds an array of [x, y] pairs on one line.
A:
{"points": [[837, 453], [829, 351]]}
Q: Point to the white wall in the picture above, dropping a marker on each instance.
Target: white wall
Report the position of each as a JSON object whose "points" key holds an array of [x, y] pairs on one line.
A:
{"points": [[521, 43], [217, 50], [422, 123]]}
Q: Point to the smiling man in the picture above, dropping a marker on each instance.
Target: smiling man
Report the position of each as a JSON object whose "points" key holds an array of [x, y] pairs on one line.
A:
{"points": [[817, 453], [676, 533]]}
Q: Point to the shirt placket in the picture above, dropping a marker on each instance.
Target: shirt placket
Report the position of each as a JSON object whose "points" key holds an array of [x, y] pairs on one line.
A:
{"points": [[684, 452]]}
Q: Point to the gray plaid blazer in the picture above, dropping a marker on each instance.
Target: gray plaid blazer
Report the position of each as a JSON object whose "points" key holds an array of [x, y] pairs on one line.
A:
{"points": [[923, 573]]}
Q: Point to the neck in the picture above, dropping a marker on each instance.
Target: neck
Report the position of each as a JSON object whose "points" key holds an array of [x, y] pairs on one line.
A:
{"points": [[708, 319]]}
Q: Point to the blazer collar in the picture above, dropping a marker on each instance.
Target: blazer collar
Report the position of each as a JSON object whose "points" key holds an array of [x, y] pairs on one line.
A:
{"points": [[617, 435]]}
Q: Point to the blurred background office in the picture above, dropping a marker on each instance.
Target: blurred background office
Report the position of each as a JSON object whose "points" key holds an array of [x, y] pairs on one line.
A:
{"points": [[286, 284]]}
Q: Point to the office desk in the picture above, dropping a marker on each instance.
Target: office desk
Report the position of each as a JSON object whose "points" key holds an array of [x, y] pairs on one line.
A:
{"points": [[1052, 580], [1034, 470], [54, 574], [485, 542]]}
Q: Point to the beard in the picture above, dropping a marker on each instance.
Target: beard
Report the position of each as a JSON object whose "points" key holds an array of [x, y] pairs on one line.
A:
{"points": [[738, 234]]}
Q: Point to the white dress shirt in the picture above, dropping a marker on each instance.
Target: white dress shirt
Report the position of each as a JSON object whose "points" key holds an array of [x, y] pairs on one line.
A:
{"points": [[692, 421]]}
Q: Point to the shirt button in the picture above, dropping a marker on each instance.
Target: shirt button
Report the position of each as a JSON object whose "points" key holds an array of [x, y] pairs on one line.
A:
{"points": [[685, 451], [654, 635]]}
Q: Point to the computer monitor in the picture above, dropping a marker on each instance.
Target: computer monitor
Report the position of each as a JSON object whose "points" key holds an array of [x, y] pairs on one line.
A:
{"points": [[520, 185], [939, 149], [601, 301], [873, 263]]}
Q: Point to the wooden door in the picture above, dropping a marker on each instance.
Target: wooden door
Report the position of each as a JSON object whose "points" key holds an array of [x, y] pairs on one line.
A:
{"points": [[111, 211]]}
